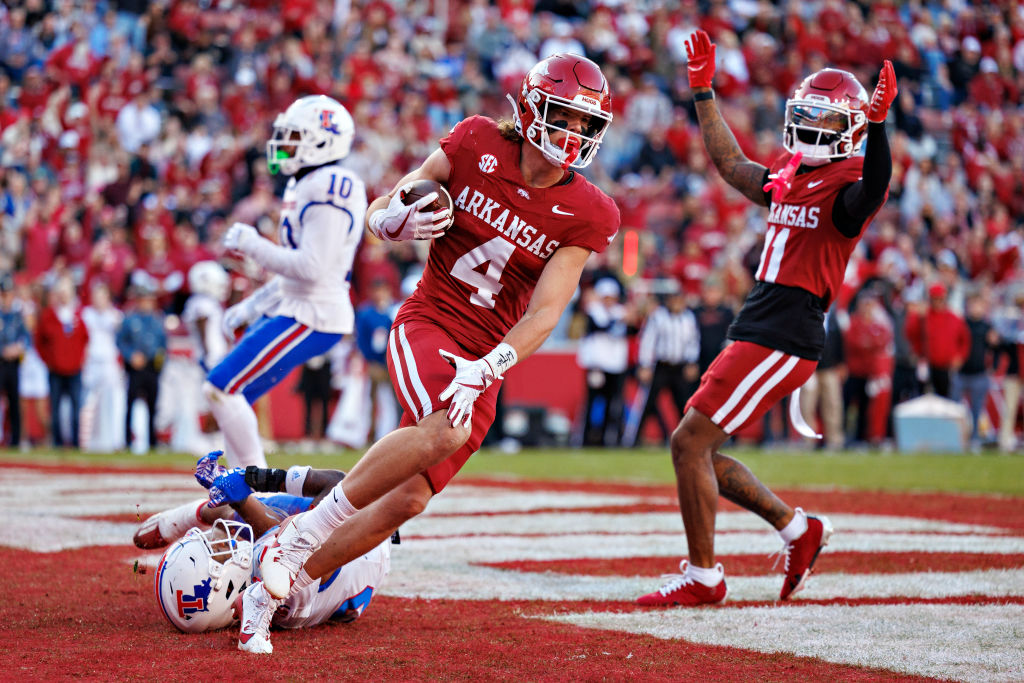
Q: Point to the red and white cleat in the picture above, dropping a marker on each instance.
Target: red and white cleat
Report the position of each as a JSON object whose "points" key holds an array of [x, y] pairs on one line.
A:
{"points": [[802, 553], [284, 559], [257, 609], [165, 527], [685, 591]]}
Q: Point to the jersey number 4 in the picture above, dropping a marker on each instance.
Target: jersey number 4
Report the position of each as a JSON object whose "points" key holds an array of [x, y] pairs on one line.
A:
{"points": [[771, 257], [495, 254]]}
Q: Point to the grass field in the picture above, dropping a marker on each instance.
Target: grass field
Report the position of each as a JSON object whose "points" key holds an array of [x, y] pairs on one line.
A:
{"points": [[984, 473]]}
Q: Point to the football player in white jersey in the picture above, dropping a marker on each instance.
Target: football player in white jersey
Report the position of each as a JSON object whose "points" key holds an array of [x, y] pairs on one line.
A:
{"points": [[305, 308], [210, 568]]}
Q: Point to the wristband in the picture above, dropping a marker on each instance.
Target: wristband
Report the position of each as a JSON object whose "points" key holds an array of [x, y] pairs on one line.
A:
{"points": [[264, 479], [501, 358], [296, 479], [704, 95]]}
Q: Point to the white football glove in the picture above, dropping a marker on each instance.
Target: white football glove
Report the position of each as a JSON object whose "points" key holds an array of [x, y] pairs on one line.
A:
{"points": [[471, 379], [242, 313], [398, 222], [237, 235]]}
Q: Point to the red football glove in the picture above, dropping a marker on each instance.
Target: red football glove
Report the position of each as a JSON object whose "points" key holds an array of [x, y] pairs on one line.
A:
{"points": [[700, 60], [885, 93], [782, 180]]}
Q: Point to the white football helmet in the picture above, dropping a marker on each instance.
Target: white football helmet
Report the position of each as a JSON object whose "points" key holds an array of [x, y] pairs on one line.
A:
{"points": [[313, 131], [209, 278], [201, 575]]}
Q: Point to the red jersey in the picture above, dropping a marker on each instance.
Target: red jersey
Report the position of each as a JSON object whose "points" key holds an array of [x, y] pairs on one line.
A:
{"points": [[803, 248], [802, 263], [481, 274]]}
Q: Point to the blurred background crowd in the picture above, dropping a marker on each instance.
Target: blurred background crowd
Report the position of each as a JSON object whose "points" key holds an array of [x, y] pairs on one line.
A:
{"points": [[132, 133]]}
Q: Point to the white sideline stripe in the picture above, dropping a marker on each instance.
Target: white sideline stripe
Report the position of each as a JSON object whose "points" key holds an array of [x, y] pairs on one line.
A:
{"points": [[583, 546], [467, 500], [960, 642], [396, 361], [668, 522], [436, 578], [426, 406], [759, 395], [744, 386]]}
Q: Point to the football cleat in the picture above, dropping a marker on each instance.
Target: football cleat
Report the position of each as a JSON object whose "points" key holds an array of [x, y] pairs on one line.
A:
{"points": [[163, 528], [285, 557], [685, 591], [801, 554], [257, 609]]}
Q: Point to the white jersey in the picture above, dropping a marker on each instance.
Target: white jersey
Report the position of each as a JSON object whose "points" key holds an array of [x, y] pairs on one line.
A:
{"points": [[342, 595], [322, 218], [214, 346]]}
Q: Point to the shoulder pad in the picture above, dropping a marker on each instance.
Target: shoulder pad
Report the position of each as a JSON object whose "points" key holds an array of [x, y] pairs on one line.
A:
{"points": [[331, 184]]}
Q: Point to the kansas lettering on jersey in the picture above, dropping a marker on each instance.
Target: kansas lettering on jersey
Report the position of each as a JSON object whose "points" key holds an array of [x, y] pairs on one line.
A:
{"points": [[802, 263], [481, 274], [802, 247]]}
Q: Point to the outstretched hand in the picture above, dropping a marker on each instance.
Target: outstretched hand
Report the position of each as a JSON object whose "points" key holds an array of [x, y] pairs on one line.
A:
{"points": [[471, 379], [780, 182], [208, 469], [884, 94], [700, 60]]}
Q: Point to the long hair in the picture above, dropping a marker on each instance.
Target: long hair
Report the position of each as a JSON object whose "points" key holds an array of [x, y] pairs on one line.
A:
{"points": [[507, 128]]}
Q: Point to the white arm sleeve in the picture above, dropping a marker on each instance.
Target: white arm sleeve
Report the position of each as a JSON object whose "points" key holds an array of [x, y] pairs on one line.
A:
{"points": [[321, 224]]}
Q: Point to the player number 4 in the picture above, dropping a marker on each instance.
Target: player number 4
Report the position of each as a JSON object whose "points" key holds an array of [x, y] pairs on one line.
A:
{"points": [[495, 254]]}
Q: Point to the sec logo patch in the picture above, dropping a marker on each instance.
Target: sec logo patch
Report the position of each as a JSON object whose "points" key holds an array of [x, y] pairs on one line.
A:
{"points": [[488, 162]]}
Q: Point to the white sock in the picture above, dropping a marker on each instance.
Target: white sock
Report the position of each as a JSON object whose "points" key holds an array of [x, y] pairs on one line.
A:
{"points": [[172, 524], [708, 576], [236, 419], [302, 579], [328, 515], [796, 527]]}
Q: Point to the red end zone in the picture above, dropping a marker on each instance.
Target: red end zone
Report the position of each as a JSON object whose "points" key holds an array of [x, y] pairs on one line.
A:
{"points": [[85, 612]]}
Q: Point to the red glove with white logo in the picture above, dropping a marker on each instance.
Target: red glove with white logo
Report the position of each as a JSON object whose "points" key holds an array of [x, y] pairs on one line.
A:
{"points": [[700, 60], [782, 180], [885, 93]]}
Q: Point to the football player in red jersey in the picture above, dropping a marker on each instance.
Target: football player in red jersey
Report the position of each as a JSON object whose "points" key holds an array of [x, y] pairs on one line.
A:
{"points": [[820, 200], [499, 274]]}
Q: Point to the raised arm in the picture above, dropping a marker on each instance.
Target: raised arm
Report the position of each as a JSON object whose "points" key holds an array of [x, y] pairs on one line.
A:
{"points": [[736, 169]]}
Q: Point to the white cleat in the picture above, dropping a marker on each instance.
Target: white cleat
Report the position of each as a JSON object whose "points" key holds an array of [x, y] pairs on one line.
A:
{"points": [[285, 557], [257, 610]]}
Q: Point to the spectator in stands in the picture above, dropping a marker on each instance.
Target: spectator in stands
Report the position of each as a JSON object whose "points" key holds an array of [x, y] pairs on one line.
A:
{"points": [[1009, 323], [102, 374], [373, 325], [713, 320], [142, 342], [823, 394], [14, 340], [603, 354], [61, 338], [868, 345], [972, 380], [939, 337]]}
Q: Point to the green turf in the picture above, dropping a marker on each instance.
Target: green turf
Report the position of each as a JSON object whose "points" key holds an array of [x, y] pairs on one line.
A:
{"points": [[985, 473]]}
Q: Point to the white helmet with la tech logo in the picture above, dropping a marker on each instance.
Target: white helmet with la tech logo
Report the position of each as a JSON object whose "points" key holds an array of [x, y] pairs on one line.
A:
{"points": [[201, 575], [313, 131], [568, 81]]}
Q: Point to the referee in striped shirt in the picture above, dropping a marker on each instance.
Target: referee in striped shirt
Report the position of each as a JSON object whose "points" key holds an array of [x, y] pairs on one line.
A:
{"points": [[669, 348]]}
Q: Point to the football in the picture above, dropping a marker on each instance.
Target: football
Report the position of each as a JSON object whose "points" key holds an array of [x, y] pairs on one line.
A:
{"points": [[423, 187]]}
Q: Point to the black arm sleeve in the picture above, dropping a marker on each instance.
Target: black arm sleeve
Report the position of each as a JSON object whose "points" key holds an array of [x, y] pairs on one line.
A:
{"points": [[859, 200]]}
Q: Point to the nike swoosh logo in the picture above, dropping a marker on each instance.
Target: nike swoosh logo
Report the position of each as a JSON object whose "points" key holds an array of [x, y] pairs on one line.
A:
{"points": [[244, 637], [814, 184], [398, 231], [555, 209]]}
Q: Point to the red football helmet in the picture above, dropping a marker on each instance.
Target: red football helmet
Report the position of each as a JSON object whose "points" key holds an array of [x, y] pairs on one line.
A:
{"points": [[568, 81], [826, 118]]}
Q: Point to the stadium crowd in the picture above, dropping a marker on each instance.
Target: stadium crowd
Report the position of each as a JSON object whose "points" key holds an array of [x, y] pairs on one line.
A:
{"points": [[132, 134]]}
